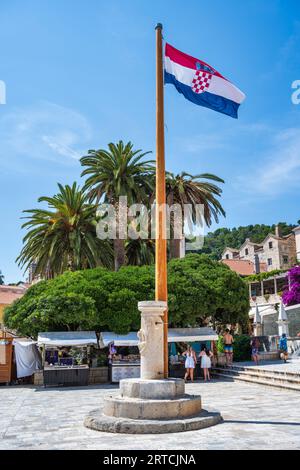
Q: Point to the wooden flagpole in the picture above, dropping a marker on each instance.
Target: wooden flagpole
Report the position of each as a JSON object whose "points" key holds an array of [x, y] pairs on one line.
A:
{"points": [[161, 292]]}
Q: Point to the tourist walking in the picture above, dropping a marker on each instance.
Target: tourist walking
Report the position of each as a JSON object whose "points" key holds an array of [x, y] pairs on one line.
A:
{"points": [[283, 347], [254, 343], [205, 356], [190, 363], [228, 347]]}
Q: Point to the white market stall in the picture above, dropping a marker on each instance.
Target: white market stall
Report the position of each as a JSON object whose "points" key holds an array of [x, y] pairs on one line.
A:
{"points": [[66, 356], [125, 358]]}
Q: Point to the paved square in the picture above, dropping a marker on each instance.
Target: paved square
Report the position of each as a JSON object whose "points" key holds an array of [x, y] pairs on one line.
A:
{"points": [[256, 417]]}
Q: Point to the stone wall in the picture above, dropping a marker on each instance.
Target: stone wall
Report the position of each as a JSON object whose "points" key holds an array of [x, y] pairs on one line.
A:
{"points": [[272, 253], [270, 327], [294, 325], [251, 251], [297, 241], [38, 378]]}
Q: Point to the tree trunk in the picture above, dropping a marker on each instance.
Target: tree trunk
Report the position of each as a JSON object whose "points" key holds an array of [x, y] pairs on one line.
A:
{"points": [[119, 253], [174, 243], [174, 248]]}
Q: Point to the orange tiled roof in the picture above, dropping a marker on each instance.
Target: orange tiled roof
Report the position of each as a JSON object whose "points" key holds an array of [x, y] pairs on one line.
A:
{"points": [[243, 267], [8, 294]]}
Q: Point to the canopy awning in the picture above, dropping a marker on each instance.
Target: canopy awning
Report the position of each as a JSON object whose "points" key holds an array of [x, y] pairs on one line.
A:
{"points": [[67, 338], [107, 337], [190, 335], [175, 335]]}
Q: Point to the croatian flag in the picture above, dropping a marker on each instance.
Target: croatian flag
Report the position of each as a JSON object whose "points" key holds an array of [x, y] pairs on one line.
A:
{"points": [[201, 83]]}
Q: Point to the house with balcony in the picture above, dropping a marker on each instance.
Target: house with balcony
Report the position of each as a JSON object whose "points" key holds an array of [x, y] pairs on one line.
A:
{"points": [[276, 252]]}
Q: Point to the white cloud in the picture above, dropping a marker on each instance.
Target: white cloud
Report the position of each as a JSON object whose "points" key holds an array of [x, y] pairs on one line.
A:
{"points": [[276, 171], [45, 131], [223, 138]]}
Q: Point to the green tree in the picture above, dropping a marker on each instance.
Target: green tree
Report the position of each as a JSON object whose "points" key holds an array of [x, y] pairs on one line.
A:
{"points": [[63, 236], [188, 189], [1, 279], [119, 171], [200, 290]]}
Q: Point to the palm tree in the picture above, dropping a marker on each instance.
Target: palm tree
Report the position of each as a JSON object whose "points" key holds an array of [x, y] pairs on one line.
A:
{"points": [[188, 189], [1, 279], [63, 236], [118, 171], [140, 252]]}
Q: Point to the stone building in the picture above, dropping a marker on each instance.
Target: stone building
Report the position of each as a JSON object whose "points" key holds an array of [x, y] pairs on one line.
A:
{"points": [[265, 298], [275, 252], [230, 253], [8, 294], [297, 240]]}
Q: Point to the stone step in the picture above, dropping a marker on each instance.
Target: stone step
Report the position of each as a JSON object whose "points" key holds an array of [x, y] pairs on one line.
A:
{"points": [[262, 371], [260, 381], [97, 421], [268, 375], [138, 408]]}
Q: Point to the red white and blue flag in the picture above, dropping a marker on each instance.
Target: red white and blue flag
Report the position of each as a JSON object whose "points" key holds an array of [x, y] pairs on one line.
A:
{"points": [[201, 83]]}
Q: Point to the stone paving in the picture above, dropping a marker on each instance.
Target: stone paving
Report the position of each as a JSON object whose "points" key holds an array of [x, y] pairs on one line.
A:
{"points": [[255, 417]]}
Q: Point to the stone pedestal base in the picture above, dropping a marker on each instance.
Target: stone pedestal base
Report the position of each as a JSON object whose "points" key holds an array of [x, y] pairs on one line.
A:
{"points": [[99, 422], [151, 406]]}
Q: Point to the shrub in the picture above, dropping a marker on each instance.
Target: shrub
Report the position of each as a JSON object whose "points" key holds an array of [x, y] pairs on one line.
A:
{"points": [[292, 295], [241, 348], [220, 344]]}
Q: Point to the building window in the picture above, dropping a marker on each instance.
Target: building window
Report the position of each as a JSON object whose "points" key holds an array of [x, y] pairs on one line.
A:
{"points": [[269, 261], [227, 256], [270, 245], [285, 259], [246, 252]]}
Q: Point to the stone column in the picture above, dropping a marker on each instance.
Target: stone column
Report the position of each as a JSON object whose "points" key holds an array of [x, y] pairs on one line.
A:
{"points": [[275, 285], [151, 339]]}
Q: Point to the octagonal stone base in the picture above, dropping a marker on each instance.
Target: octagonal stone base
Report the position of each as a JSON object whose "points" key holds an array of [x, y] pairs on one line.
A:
{"points": [[136, 408], [98, 421], [152, 389], [151, 406]]}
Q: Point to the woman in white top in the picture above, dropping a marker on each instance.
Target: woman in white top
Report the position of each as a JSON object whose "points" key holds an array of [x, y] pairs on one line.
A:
{"points": [[190, 363], [206, 356]]}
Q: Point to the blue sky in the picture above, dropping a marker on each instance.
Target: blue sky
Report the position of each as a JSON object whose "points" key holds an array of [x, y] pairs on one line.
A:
{"points": [[81, 74]]}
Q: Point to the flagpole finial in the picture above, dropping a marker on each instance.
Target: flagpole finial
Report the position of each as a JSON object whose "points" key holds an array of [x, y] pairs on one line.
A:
{"points": [[159, 26]]}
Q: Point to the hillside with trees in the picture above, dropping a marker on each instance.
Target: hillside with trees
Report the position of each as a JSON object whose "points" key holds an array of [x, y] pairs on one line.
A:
{"points": [[216, 241]]}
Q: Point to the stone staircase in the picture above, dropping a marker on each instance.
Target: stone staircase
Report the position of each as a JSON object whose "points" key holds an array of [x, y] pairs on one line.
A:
{"points": [[258, 375]]}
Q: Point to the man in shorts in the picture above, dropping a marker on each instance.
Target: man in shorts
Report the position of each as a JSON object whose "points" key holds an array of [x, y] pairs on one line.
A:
{"points": [[228, 348], [283, 347]]}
